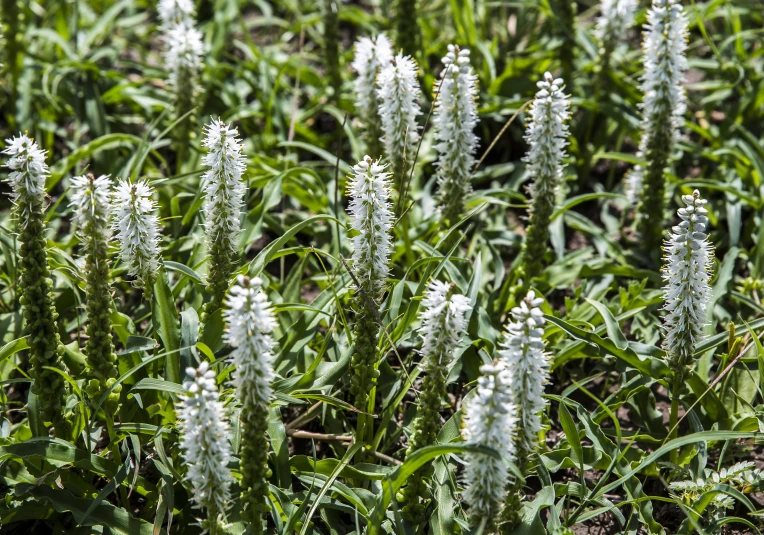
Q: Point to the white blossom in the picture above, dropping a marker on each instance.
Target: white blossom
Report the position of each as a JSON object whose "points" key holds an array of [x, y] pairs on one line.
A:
{"points": [[176, 12], [454, 119], [547, 136], [528, 363], [137, 228], [632, 182], [223, 185], [369, 208], [398, 95], [617, 17], [489, 420], [90, 199], [183, 56], [26, 162], [249, 323], [444, 323], [204, 439], [664, 49], [687, 272], [371, 54]]}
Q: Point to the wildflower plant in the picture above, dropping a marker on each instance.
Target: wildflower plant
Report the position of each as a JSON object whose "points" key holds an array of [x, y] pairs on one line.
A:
{"points": [[223, 200], [663, 107], [371, 55], [204, 435], [455, 119], [136, 226], [26, 177], [489, 420], [687, 274], [616, 17], [90, 200], [547, 136], [250, 323], [332, 44], [398, 95], [172, 12], [444, 323], [371, 220]]}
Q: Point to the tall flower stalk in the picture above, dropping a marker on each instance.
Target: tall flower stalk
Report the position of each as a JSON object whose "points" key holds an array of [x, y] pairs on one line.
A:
{"points": [[137, 228], [489, 420], [223, 200], [665, 45], [565, 12], [249, 324], [371, 219], [183, 51], [547, 136], [204, 441], [443, 326], [528, 362], [687, 272], [616, 19], [523, 352], [455, 119], [90, 202], [28, 171], [398, 95], [371, 55]]}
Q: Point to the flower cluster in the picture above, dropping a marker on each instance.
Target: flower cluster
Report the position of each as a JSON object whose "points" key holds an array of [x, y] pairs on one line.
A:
{"points": [[444, 323], [369, 208], [664, 48], [204, 440], [687, 272], [454, 119], [371, 55], [28, 171], [547, 136], [137, 228], [249, 323], [490, 421], [91, 203], [176, 12], [223, 200], [528, 363], [617, 17], [183, 57], [398, 95]]}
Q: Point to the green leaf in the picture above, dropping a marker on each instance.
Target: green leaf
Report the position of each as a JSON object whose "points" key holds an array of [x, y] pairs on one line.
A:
{"points": [[166, 323]]}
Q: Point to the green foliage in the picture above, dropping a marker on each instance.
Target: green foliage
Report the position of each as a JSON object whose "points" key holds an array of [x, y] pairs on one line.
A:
{"points": [[354, 425]]}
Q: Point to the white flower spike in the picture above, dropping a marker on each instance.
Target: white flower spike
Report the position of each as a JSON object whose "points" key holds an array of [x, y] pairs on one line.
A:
{"points": [[137, 227], [26, 162], [443, 323], [489, 420], [91, 202], [183, 56], [371, 55], [369, 208], [204, 439], [528, 363], [547, 135], [249, 323], [665, 61], [223, 185], [455, 119], [687, 272], [617, 17], [398, 95], [176, 12]]}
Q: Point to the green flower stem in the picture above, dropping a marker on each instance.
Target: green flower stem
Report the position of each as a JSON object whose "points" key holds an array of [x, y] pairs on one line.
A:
{"points": [[566, 15], [222, 267], [254, 462], [40, 317], [363, 363], [535, 247], [650, 209], [332, 45]]}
